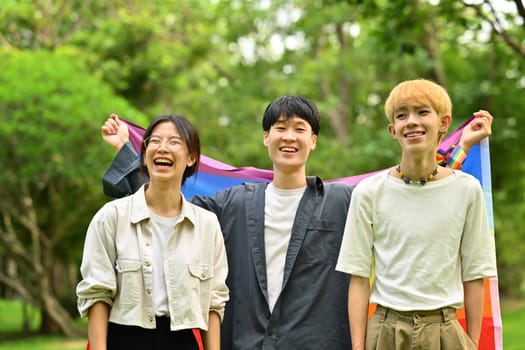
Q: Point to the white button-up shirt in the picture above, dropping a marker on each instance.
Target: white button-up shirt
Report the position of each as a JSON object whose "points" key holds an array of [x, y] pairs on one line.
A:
{"points": [[117, 265]]}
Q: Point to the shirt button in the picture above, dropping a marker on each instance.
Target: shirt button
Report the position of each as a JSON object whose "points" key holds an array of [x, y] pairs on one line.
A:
{"points": [[148, 291], [147, 244], [147, 263], [150, 318]]}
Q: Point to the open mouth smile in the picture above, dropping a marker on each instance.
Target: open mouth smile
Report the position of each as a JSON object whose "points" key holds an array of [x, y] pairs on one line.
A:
{"points": [[414, 134], [288, 149], [163, 162]]}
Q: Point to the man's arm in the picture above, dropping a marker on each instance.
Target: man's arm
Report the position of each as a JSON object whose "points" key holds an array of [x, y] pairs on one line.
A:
{"points": [[473, 291], [123, 176], [358, 299], [479, 128]]}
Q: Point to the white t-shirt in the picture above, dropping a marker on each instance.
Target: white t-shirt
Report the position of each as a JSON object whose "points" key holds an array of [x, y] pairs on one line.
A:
{"points": [[425, 240], [279, 213], [162, 228]]}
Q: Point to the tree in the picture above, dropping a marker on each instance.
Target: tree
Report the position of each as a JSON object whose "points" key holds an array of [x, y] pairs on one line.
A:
{"points": [[492, 13], [220, 62], [51, 164]]}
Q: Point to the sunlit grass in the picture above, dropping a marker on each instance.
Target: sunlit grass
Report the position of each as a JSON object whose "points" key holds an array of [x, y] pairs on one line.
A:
{"points": [[513, 319], [11, 319], [44, 343], [12, 338]]}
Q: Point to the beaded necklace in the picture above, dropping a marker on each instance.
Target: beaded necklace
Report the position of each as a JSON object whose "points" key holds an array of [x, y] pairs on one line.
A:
{"points": [[421, 181]]}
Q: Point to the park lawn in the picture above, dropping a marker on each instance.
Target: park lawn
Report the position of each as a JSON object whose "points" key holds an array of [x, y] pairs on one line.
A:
{"points": [[44, 343], [513, 320], [10, 330], [11, 312]]}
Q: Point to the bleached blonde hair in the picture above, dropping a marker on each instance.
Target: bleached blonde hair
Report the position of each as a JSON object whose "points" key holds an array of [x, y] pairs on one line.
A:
{"points": [[418, 92]]}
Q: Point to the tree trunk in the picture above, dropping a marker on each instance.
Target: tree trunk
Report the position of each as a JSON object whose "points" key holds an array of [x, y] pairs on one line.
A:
{"points": [[34, 265], [55, 319]]}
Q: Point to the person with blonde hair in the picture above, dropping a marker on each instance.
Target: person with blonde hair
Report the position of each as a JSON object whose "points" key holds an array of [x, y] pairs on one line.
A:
{"points": [[424, 231]]}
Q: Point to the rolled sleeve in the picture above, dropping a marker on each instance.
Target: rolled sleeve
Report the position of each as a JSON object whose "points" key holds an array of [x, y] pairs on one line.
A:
{"points": [[89, 293], [220, 291], [99, 282]]}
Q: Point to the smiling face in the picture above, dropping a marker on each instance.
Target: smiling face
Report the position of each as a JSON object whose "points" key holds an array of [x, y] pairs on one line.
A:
{"points": [[419, 112], [418, 128], [289, 142], [166, 153]]}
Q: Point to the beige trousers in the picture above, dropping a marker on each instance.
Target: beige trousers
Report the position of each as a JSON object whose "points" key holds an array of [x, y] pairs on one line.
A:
{"points": [[388, 329]]}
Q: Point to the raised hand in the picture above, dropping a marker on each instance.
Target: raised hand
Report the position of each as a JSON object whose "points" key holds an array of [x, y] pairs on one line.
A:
{"points": [[115, 132], [479, 128]]}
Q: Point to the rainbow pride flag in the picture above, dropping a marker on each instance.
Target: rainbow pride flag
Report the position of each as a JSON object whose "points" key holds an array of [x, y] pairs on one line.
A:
{"points": [[214, 176]]}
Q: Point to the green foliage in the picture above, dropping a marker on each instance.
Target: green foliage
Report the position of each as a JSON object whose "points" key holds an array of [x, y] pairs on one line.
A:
{"points": [[510, 239], [220, 63], [51, 110], [45, 98]]}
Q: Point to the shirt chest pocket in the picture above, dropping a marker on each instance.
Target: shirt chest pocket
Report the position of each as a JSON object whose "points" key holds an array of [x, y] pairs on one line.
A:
{"points": [[129, 276], [201, 277], [321, 242], [200, 271]]}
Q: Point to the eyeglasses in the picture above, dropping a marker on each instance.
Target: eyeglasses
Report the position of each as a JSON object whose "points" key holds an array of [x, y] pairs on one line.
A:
{"points": [[173, 143]]}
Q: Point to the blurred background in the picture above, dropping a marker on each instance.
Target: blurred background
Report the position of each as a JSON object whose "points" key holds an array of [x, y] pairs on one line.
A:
{"points": [[65, 65]]}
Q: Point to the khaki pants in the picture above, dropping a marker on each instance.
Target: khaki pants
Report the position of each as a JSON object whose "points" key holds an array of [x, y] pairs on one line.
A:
{"points": [[388, 329]]}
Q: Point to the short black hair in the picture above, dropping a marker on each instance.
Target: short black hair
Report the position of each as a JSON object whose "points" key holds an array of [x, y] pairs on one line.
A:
{"points": [[292, 106]]}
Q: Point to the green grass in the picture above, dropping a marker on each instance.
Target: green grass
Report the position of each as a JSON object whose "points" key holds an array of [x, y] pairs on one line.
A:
{"points": [[513, 317], [513, 320], [11, 316], [11, 337], [44, 343]]}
